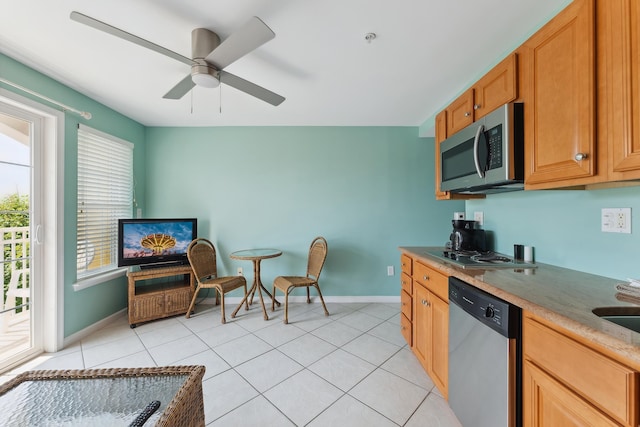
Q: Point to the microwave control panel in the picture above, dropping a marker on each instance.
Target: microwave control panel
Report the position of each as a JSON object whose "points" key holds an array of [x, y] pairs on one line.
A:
{"points": [[494, 141]]}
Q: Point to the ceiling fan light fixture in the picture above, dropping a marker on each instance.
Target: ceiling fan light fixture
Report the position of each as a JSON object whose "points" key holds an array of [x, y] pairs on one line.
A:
{"points": [[204, 76]]}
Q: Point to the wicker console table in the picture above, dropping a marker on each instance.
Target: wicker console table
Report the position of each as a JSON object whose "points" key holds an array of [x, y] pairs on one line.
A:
{"points": [[101, 397], [160, 298]]}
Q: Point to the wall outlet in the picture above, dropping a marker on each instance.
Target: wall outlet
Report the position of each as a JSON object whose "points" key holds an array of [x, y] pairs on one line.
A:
{"points": [[479, 217], [458, 215], [240, 271], [616, 220], [390, 271]]}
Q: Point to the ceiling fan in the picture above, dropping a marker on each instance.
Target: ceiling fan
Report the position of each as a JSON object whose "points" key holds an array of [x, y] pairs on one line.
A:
{"points": [[209, 56]]}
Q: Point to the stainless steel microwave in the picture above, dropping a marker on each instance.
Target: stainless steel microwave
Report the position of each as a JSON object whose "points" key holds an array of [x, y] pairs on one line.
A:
{"points": [[487, 156]]}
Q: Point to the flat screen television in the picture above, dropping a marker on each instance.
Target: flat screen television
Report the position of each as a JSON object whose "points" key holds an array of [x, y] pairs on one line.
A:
{"points": [[155, 242]]}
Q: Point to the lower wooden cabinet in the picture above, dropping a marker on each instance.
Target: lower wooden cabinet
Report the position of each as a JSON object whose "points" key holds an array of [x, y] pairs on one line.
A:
{"points": [[431, 323], [569, 381], [550, 403], [424, 319], [406, 299]]}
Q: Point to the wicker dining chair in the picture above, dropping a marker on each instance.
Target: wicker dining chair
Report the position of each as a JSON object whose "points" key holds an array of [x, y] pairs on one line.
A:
{"points": [[286, 284], [202, 257]]}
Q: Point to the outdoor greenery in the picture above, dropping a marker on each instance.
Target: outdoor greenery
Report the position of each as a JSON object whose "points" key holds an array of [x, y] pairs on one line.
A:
{"points": [[14, 212]]}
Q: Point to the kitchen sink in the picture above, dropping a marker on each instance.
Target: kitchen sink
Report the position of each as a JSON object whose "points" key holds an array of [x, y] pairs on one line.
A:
{"points": [[626, 316]]}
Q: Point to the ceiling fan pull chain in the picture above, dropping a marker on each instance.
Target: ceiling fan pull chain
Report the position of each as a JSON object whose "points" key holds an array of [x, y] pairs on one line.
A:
{"points": [[192, 101], [220, 94]]}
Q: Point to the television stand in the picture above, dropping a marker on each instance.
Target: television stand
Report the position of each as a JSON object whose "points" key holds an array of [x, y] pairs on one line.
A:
{"points": [[159, 298]]}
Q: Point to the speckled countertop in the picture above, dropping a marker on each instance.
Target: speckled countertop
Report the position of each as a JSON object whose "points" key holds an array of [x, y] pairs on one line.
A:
{"points": [[566, 297]]}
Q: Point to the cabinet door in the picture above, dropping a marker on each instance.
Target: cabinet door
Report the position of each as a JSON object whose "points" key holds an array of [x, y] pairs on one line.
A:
{"points": [[421, 325], [560, 114], [460, 112], [441, 135], [177, 300], [619, 90], [440, 344], [546, 402], [146, 307], [499, 86]]}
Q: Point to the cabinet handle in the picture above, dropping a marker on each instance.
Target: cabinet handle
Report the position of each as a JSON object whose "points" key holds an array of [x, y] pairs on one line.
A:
{"points": [[467, 114], [425, 302], [425, 277], [581, 156], [476, 106]]}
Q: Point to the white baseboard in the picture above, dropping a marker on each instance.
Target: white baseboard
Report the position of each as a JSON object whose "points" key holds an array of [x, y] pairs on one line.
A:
{"points": [[93, 328], [314, 299]]}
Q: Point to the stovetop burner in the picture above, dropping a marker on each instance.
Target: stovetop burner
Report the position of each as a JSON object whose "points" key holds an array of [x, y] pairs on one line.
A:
{"points": [[479, 259]]}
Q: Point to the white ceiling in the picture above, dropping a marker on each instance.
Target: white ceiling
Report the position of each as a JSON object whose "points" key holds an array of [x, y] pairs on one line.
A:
{"points": [[426, 52]]}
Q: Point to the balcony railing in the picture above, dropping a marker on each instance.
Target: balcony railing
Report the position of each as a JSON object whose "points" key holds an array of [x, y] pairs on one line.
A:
{"points": [[16, 263]]}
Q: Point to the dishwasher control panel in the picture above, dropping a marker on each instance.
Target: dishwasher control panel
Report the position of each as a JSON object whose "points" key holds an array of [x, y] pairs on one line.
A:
{"points": [[488, 309]]}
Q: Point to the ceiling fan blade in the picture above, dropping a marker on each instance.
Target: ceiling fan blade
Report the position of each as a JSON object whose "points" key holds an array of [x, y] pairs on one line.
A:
{"points": [[99, 25], [181, 89], [252, 35], [251, 88]]}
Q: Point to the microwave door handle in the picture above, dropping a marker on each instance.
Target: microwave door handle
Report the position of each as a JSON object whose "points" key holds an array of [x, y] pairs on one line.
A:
{"points": [[476, 148]]}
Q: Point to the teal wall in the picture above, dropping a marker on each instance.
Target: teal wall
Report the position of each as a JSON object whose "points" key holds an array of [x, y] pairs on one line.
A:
{"points": [[85, 307], [564, 228], [367, 190]]}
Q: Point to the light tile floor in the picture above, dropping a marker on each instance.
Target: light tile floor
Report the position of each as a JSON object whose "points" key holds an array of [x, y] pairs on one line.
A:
{"points": [[352, 368]]}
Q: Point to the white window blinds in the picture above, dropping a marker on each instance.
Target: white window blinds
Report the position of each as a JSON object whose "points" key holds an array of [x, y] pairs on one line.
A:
{"points": [[105, 194]]}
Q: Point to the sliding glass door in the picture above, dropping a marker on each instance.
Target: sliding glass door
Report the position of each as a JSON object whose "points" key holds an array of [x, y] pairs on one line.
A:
{"points": [[20, 331]]}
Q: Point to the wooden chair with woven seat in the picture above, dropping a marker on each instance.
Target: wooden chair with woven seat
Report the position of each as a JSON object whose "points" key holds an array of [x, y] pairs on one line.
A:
{"points": [[202, 257], [286, 284]]}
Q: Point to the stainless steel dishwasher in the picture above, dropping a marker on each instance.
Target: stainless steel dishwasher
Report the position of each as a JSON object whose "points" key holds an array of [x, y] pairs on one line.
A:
{"points": [[484, 358]]}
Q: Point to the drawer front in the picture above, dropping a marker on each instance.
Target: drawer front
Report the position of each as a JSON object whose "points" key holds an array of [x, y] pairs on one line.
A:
{"points": [[435, 281], [405, 329], [601, 380], [406, 282], [405, 304], [406, 263]]}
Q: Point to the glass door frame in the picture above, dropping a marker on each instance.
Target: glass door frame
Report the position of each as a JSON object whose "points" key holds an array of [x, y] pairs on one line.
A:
{"points": [[46, 224]]}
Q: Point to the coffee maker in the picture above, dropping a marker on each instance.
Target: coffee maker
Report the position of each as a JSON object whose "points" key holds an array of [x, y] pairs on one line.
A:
{"points": [[466, 236]]}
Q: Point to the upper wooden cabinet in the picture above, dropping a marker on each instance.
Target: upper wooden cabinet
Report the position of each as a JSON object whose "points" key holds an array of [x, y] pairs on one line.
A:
{"points": [[497, 87], [582, 111], [618, 48], [441, 135], [578, 78], [560, 97]]}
